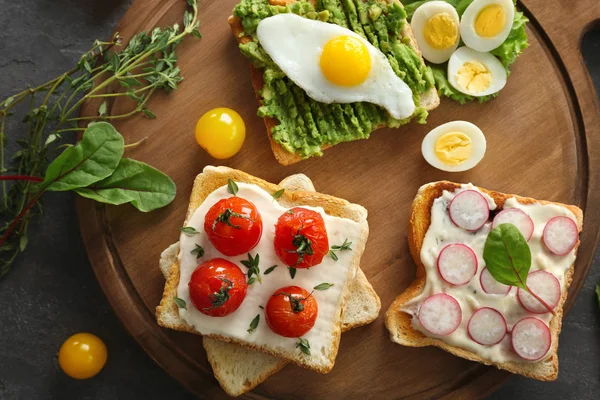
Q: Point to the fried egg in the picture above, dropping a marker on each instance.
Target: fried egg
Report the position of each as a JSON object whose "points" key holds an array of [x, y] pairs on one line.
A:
{"points": [[454, 146], [332, 64], [486, 24], [475, 73], [436, 28]]}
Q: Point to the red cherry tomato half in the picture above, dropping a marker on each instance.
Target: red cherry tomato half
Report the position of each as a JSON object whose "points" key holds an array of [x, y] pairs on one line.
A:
{"points": [[233, 226], [301, 238], [291, 311], [217, 287]]}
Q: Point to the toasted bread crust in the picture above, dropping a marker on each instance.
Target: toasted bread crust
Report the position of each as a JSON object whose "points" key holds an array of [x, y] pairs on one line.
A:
{"points": [[400, 323], [430, 99], [211, 179]]}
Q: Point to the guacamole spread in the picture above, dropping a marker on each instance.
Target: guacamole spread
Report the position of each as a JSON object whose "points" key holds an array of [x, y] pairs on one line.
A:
{"points": [[305, 125]]}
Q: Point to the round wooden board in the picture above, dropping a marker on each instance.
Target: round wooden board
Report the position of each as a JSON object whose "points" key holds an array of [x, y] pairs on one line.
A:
{"points": [[540, 131]]}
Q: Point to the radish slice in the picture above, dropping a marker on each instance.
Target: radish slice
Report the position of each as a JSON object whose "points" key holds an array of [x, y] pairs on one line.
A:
{"points": [[546, 286], [457, 264], [491, 285], [531, 338], [440, 314], [560, 235], [516, 217], [487, 326], [469, 210]]}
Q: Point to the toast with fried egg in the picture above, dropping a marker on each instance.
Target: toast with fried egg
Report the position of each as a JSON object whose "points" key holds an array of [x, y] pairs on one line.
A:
{"points": [[400, 324]]}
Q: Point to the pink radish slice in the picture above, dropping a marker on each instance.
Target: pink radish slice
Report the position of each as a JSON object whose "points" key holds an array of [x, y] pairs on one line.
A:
{"points": [[487, 326], [491, 285], [546, 286], [440, 314], [531, 338], [469, 210], [457, 264], [516, 217], [560, 235]]}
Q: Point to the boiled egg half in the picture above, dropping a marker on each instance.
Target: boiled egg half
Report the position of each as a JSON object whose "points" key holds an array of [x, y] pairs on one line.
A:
{"points": [[436, 28], [486, 24], [454, 146], [332, 64], [475, 73]]}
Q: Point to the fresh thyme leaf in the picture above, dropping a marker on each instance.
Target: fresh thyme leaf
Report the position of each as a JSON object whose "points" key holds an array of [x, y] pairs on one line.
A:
{"points": [[254, 323], [323, 286], [189, 230], [103, 108], [23, 243], [219, 298], [180, 303], [333, 255], [292, 272], [198, 251], [232, 187], [290, 211], [148, 113], [278, 194], [304, 346], [343, 247], [261, 307], [225, 217], [270, 269], [253, 269], [251, 281]]}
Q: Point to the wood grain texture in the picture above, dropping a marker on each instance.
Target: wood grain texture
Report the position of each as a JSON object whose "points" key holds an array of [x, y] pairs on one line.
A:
{"points": [[543, 135]]}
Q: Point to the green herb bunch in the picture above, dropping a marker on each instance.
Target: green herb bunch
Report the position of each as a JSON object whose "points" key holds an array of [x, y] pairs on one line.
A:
{"points": [[145, 65]]}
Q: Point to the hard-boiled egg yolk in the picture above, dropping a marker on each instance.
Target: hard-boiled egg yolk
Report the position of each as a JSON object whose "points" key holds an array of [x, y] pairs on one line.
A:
{"points": [[221, 132], [345, 61], [490, 21], [474, 77], [82, 355], [441, 31], [453, 148]]}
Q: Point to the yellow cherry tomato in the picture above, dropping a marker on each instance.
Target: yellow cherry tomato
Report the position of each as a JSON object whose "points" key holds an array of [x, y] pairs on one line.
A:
{"points": [[221, 132], [82, 355]]}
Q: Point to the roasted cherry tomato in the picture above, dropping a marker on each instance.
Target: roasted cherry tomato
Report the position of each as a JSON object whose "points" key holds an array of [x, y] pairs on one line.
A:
{"points": [[233, 226], [291, 311], [217, 287], [301, 238], [82, 355]]}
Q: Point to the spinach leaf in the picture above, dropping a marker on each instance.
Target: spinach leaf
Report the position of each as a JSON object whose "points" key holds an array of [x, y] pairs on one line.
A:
{"points": [[507, 255], [135, 182], [92, 159]]}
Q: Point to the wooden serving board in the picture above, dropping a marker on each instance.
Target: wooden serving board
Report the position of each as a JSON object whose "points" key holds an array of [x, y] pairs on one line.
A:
{"points": [[543, 135]]}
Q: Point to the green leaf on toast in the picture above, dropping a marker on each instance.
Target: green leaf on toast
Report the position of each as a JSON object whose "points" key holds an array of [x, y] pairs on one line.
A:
{"points": [[94, 158], [507, 256], [135, 182]]}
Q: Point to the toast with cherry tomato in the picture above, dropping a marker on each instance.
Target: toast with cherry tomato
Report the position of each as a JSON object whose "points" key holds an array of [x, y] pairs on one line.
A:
{"points": [[239, 369], [291, 310], [401, 323]]}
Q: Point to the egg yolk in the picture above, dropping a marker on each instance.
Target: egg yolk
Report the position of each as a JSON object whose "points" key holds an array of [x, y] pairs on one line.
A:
{"points": [[345, 61], [221, 132], [474, 77], [441, 31], [453, 148], [82, 355], [490, 21]]}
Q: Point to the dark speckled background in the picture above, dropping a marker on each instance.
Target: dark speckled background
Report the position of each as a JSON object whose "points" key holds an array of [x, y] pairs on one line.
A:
{"points": [[52, 292]]}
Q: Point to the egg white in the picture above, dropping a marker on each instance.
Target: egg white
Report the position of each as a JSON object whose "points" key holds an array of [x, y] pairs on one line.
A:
{"points": [[418, 22], [471, 130], [295, 44], [467, 25], [465, 54]]}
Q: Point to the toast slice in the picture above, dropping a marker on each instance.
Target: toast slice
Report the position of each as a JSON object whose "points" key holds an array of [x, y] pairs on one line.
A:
{"points": [[399, 323], [213, 178], [239, 369], [429, 100]]}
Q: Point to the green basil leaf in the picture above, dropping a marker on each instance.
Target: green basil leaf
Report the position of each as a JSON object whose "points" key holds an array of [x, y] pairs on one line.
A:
{"points": [[135, 182], [180, 303], [323, 286], [94, 158], [507, 255]]}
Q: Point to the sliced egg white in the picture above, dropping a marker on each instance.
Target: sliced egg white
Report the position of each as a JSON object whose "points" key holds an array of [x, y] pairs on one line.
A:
{"points": [[475, 73], [463, 148], [486, 24], [436, 27]]}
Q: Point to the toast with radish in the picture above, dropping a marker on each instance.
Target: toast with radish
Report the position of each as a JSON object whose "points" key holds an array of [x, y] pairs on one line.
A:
{"points": [[463, 299]]}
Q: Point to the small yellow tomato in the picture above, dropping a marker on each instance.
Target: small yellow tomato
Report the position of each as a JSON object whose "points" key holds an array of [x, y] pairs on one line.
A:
{"points": [[82, 355], [221, 132]]}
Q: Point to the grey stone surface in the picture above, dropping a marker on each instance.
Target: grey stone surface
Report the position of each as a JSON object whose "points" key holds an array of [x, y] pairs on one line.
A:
{"points": [[52, 292]]}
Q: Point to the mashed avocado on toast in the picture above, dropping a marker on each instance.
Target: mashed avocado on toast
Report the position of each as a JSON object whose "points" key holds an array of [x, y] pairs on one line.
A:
{"points": [[305, 126]]}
